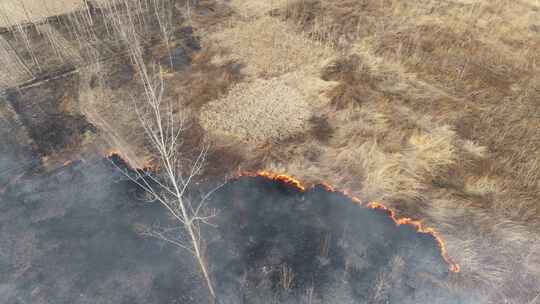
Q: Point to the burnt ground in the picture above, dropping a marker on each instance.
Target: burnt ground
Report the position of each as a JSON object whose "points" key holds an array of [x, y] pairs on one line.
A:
{"points": [[340, 251], [69, 236], [45, 111]]}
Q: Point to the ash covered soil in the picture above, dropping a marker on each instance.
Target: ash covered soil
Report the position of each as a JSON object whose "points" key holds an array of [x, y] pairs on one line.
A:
{"points": [[69, 236]]}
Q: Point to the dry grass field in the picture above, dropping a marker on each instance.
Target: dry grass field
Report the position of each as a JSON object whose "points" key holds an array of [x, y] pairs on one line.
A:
{"points": [[431, 107]]}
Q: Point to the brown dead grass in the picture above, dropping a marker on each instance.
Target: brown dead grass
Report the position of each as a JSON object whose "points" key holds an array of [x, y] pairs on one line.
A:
{"points": [[264, 110], [204, 80], [268, 48], [435, 113]]}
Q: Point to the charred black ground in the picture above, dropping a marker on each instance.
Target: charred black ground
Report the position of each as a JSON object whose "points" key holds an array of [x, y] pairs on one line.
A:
{"points": [[69, 236], [325, 242]]}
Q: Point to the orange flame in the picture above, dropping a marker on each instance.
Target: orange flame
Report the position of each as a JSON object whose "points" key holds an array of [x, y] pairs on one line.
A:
{"points": [[114, 152], [282, 178], [148, 164], [418, 226], [298, 185]]}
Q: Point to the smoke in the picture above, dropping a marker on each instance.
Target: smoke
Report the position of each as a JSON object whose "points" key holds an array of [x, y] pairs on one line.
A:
{"points": [[69, 236], [334, 250]]}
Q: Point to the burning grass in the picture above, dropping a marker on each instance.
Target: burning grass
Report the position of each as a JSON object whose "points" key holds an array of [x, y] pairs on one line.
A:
{"points": [[277, 216], [418, 226]]}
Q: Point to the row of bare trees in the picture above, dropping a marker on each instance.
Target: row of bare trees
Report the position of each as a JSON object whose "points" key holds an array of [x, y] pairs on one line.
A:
{"points": [[74, 37], [164, 122]]}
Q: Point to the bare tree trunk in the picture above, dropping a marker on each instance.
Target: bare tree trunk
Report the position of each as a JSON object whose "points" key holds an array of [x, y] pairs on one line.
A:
{"points": [[164, 130]]}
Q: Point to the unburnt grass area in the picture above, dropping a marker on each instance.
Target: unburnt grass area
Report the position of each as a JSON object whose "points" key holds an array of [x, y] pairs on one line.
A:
{"points": [[431, 107]]}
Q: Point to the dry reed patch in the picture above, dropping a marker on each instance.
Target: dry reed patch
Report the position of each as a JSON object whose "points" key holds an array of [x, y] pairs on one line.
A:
{"points": [[263, 110], [357, 83], [13, 12], [268, 47], [496, 124], [443, 128], [341, 23], [335, 22], [454, 60], [376, 152], [12, 71], [256, 8], [508, 27], [433, 151], [508, 24], [121, 134]]}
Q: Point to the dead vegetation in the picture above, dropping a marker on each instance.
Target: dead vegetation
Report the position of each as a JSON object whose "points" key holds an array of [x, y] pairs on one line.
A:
{"points": [[258, 112], [432, 108], [268, 48]]}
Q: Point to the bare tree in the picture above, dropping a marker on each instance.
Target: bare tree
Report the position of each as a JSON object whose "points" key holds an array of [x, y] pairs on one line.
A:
{"points": [[163, 10], [171, 185], [165, 126]]}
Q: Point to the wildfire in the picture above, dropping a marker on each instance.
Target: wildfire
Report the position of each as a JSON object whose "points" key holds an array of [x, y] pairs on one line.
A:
{"points": [[281, 178], [330, 188], [298, 185], [147, 165], [418, 226], [114, 152]]}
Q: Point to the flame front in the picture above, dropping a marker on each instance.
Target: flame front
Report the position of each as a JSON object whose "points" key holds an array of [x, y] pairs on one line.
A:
{"points": [[298, 185], [282, 178], [148, 164], [418, 226], [114, 152]]}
